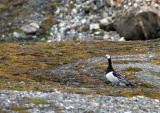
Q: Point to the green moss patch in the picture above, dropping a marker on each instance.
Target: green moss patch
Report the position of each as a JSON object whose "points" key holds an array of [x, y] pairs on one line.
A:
{"points": [[19, 108], [147, 85], [133, 69], [16, 88], [38, 101]]}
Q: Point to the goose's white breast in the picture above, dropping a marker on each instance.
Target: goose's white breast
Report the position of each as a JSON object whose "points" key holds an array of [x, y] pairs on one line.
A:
{"points": [[111, 77]]}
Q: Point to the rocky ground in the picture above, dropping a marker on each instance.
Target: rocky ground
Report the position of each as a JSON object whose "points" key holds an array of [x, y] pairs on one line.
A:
{"points": [[55, 20], [55, 102], [69, 77]]}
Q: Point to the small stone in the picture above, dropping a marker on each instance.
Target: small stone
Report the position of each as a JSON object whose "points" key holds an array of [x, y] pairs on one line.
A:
{"points": [[93, 7], [106, 37], [71, 2], [62, 24], [128, 112], [104, 14], [57, 11], [83, 21], [15, 34], [135, 5], [156, 100], [94, 26], [58, 20], [51, 33], [34, 36], [44, 39], [130, 3], [156, 5], [78, 6], [3, 36], [97, 33], [104, 21], [121, 39], [74, 11], [35, 25], [125, 6]]}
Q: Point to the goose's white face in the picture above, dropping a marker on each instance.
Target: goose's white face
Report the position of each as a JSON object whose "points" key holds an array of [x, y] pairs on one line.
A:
{"points": [[107, 56]]}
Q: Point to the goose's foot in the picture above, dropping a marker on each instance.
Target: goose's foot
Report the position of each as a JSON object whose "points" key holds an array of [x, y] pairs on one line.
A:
{"points": [[114, 84]]}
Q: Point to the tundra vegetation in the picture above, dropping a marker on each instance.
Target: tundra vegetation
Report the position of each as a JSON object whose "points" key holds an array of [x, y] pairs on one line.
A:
{"points": [[29, 66]]}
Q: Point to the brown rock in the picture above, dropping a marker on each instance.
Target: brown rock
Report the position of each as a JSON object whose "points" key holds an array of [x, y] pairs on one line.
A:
{"points": [[138, 26]]}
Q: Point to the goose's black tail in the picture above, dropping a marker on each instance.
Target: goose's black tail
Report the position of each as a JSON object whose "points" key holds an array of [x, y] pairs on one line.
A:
{"points": [[130, 84]]}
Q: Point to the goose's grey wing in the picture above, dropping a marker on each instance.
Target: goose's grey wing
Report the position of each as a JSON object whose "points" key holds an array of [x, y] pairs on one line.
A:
{"points": [[121, 78]]}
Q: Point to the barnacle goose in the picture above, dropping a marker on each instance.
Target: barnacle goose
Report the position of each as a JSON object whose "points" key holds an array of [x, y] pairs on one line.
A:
{"points": [[115, 77]]}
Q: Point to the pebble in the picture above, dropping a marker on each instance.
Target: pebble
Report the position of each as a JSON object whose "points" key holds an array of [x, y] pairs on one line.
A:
{"points": [[121, 39], [94, 26], [57, 11], [104, 21], [15, 34]]}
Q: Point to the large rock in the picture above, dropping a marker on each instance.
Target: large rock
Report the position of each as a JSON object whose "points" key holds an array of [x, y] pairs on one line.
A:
{"points": [[31, 28], [138, 26]]}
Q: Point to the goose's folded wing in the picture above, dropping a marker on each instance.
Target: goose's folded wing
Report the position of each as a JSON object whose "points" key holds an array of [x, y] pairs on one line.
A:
{"points": [[120, 77]]}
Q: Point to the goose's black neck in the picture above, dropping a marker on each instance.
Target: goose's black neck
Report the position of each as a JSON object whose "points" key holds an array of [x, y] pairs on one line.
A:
{"points": [[110, 68]]}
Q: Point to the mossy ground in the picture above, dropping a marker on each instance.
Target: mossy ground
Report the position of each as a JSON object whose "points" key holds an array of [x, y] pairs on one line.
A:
{"points": [[21, 109], [37, 101], [29, 66]]}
